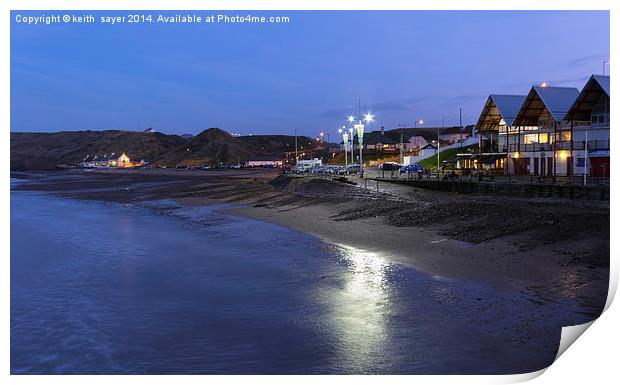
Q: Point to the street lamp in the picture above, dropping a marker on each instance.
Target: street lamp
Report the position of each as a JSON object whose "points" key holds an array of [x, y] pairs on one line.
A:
{"points": [[420, 122], [443, 127], [352, 137], [359, 127], [345, 140]]}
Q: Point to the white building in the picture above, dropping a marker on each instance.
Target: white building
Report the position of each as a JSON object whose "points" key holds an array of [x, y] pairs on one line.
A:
{"points": [[309, 164], [544, 136], [415, 142], [589, 117]]}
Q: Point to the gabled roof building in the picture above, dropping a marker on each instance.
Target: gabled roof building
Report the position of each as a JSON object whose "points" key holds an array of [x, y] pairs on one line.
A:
{"points": [[550, 132], [589, 117]]}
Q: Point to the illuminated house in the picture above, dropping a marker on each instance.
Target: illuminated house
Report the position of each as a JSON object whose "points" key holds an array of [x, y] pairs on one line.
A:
{"points": [[106, 161], [119, 160], [497, 136], [589, 119], [544, 137]]}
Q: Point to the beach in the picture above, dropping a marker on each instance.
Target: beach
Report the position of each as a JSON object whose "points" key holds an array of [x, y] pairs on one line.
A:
{"points": [[556, 247]]}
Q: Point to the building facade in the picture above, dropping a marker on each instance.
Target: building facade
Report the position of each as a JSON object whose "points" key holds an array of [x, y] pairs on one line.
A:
{"points": [[589, 117]]}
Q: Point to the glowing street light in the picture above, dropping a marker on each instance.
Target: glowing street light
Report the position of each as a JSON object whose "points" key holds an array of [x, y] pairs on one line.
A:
{"points": [[359, 130], [420, 122], [351, 136], [360, 139], [345, 140], [543, 84], [323, 135]]}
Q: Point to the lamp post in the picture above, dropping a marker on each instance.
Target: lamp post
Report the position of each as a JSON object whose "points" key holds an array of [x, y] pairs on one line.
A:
{"points": [[296, 156], [345, 141], [443, 127], [359, 130], [604, 63], [351, 119], [402, 145]]}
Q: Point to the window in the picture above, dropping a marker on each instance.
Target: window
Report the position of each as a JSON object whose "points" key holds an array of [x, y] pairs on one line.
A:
{"points": [[600, 118], [565, 136], [535, 138], [530, 138]]}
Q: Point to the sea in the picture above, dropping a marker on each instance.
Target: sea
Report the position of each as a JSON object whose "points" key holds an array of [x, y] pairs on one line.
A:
{"points": [[159, 288]]}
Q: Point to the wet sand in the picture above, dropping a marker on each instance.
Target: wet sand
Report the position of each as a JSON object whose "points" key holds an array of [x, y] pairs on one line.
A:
{"points": [[558, 248]]}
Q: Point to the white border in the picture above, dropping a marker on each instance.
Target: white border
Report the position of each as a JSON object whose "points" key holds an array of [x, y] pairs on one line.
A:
{"points": [[591, 360]]}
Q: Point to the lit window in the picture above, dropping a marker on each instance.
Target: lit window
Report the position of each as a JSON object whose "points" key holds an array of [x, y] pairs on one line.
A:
{"points": [[565, 135], [530, 138], [543, 138]]}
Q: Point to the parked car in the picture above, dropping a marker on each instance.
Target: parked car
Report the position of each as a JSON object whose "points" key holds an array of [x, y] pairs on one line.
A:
{"points": [[389, 166], [411, 168], [353, 169]]}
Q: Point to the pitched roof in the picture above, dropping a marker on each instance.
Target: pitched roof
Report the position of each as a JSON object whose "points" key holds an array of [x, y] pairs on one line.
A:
{"points": [[377, 137], [500, 107], [596, 88], [553, 102], [603, 81]]}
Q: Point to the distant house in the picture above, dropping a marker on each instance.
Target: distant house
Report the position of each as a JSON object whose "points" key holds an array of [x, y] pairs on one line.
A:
{"points": [[119, 160], [427, 151], [113, 160], [415, 142], [378, 141]]}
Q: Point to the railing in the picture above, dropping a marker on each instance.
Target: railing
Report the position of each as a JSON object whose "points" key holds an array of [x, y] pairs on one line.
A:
{"points": [[593, 145]]}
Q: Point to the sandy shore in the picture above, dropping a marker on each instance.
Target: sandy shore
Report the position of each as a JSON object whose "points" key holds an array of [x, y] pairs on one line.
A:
{"points": [[554, 247]]}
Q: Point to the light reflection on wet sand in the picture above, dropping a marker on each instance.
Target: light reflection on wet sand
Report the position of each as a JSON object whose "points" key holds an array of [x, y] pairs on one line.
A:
{"points": [[113, 289]]}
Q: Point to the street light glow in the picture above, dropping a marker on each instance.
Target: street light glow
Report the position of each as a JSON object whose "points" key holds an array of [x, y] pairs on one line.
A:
{"points": [[420, 121], [369, 117], [351, 118], [543, 84]]}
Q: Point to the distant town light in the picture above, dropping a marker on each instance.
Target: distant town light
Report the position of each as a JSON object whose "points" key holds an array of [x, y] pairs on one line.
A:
{"points": [[543, 84], [420, 121]]}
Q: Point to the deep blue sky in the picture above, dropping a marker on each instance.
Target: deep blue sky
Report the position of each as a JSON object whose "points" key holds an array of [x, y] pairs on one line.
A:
{"points": [[307, 74]]}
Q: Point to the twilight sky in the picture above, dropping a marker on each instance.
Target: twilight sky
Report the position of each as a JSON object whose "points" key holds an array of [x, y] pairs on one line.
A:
{"points": [[307, 74]]}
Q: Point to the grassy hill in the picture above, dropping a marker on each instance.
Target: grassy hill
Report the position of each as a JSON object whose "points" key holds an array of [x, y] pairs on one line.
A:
{"points": [[212, 146], [444, 155], [45, 151]]}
